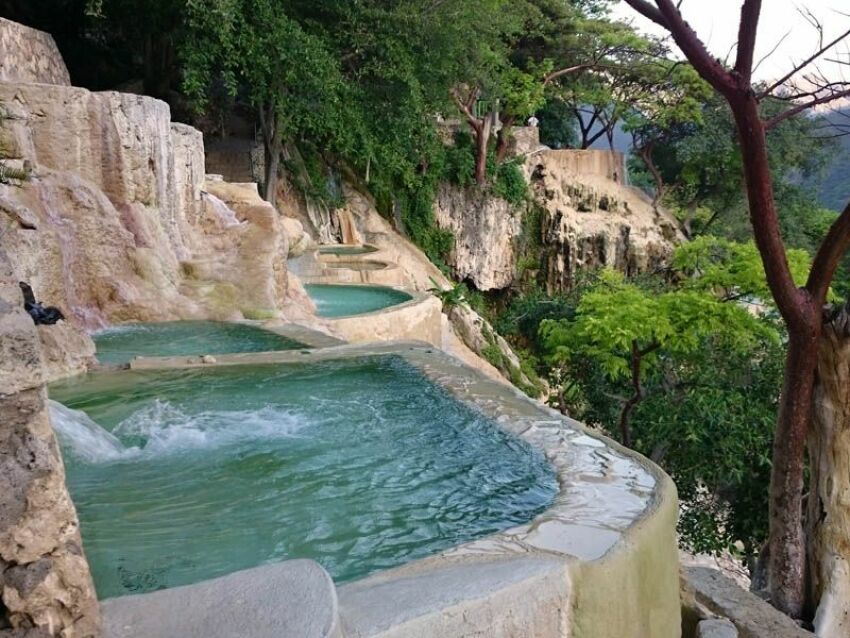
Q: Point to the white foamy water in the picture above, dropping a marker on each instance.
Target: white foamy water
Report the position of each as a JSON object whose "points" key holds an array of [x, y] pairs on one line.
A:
{"points": [[164, 430], [84, 438]]}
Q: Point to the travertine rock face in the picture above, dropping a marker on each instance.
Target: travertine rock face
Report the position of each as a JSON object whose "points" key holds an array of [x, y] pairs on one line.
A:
{"points": [[589, 220], [117, 223], [468, 334], [27, 55], [45, 584], [485, 230], [586, 218]]}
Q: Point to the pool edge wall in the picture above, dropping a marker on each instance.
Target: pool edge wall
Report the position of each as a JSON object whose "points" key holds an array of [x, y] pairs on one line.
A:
{"points": [[523, 589], [419, 319], [543, 579]]}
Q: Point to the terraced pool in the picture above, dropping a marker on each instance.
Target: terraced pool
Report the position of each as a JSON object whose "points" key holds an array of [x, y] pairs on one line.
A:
{"points": [[119, 344], [340, 300], [361, 464]]}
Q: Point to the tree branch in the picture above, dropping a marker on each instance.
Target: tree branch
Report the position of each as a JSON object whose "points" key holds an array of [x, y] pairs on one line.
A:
{"points": [[554, 75], [648, 11], [465, 107], [832, 249], [747, 29], [709, 67], [799, 108], [802, 66]]}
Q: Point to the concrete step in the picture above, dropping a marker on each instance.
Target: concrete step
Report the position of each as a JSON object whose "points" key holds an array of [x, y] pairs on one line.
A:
{"points": [[295, 598]]}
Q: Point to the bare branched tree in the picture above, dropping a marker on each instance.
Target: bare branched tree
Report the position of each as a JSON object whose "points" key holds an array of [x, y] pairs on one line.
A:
{"points": [[804, 87]]}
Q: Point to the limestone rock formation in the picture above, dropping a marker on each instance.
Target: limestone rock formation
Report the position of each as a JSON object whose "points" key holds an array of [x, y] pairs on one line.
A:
{"points": [[586, 218], [589, 219], [485, 229], [45, 584], [116, 222], [27, 55]]}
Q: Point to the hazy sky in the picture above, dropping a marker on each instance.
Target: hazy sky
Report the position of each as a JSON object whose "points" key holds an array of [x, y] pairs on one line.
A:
{"points": [[716, 21]]}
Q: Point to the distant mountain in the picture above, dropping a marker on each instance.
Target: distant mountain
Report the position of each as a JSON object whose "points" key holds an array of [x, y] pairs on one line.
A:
{"points": [[834, 188]]}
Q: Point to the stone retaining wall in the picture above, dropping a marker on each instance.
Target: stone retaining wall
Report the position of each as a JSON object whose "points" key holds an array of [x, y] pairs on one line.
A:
{"points": [[419, 319]]}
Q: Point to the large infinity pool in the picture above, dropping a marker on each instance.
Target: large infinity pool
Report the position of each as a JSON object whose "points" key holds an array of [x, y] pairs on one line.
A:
{"points": [[334, 300], [180, 476], [119, 344]]}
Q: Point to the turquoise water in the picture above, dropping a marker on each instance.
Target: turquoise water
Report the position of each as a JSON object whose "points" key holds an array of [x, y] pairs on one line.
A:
{"points": [[340, 300], [361, 465], [119, 344], [342, 249]]}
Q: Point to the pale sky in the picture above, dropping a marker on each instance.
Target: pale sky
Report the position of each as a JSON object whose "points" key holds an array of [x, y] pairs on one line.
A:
{"points": [[716, 22]]}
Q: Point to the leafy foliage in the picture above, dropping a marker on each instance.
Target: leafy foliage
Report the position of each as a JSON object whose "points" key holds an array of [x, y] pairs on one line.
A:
{"points": [[707, 372]]}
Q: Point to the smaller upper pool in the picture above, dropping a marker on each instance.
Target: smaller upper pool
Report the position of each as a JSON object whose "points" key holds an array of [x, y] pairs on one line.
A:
{"points": [[341, 300], [119, 344], [342, 249]]}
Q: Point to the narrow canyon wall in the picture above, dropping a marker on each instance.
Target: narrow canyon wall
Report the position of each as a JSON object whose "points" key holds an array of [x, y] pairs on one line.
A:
{"points": [[45, 585], [27, 55], [116, 222]]}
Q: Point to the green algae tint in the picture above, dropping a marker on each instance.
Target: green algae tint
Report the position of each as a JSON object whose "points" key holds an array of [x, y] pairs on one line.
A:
{"points": [[334, 300], [119, 344], [361, 465]]}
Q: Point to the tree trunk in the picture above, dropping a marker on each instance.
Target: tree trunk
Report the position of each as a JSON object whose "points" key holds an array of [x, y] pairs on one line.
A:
{"points": [[273, 148], [787, 542], [802, 315], [273, 152], [482, 140], [828, 505], [645, 153], [637, 391], [503, 139]]}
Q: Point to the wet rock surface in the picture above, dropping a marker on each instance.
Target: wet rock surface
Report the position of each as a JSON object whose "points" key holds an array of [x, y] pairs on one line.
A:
{"points": [[45, 584]]}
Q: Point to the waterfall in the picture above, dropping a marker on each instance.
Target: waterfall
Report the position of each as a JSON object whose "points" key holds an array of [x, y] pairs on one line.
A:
{"points": [[84, 438]]}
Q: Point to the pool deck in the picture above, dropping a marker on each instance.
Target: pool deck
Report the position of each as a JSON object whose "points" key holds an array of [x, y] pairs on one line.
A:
{"points": [[601, 562]]}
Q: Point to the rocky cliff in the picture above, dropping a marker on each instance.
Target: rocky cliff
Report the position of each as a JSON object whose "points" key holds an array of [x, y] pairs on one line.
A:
{"points": [[115, 221], [27, 55], [45, 585], [581, 215]]}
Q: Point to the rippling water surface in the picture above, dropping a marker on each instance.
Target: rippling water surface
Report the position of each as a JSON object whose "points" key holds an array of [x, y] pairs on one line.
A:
{"points": [[361, 465], [119, 344]]}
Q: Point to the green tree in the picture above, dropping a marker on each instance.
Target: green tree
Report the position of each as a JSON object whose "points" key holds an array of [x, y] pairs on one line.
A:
{"points": [[684, 369], [288, 76]]}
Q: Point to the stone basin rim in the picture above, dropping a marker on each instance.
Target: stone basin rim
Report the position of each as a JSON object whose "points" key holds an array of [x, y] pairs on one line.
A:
{"points": [[369, 606]]}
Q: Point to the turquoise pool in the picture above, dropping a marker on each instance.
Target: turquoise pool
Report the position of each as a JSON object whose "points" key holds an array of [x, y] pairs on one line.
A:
{"points": [[333, 300], [119, 344], [362, 465]]}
